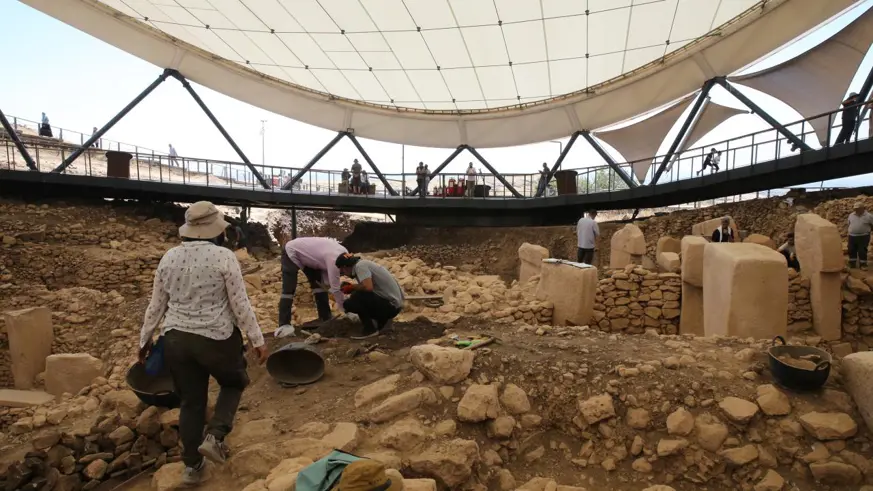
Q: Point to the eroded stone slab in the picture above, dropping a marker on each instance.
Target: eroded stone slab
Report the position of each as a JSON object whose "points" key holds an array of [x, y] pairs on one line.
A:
{"points": [[530, 257], [571, 289]]}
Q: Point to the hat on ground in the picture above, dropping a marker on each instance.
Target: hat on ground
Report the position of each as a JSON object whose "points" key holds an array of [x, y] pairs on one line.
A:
{"points": [[366, 475], [858, 205], [203, 221]]}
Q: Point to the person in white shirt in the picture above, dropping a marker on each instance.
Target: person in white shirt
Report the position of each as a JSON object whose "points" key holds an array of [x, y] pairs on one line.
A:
{"points": [[587, 232], [789, 250], [200, 294], [712, 159], [724, 233], [45, 129], [471, 181], [172, 153], [860, 223]]}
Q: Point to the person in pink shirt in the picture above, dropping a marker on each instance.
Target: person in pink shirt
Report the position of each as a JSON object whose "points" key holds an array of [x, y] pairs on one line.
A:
{"points": [[316, 256]]}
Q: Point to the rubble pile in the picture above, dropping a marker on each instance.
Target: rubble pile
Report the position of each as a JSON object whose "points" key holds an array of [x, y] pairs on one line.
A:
{"points": [[634, 299]]}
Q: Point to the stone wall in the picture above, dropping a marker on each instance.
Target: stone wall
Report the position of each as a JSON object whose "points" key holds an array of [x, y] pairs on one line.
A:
{"points": [[635, 299], [799, 306], [857, 314]]}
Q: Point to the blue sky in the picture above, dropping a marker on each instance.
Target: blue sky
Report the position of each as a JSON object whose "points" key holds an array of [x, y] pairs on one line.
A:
{"points": [[81, 82]]}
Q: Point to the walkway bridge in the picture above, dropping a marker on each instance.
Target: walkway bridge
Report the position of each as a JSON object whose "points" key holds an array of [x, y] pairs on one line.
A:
{"points": [[750, 163]]}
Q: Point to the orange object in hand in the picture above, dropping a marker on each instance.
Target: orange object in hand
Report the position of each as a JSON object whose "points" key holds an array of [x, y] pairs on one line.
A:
{"points": [[347, 288]]}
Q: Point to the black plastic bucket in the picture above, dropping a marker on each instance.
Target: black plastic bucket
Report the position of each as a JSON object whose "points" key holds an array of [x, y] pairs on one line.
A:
{"points": [[157, 390], [295, 364], [797, 378]]}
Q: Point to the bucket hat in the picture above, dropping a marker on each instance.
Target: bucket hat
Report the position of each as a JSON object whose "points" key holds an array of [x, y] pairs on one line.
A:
{"points": [[203, 221]]}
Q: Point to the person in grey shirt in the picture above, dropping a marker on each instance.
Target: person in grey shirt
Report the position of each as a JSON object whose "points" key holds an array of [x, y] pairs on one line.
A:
{"points": [[586, 237], [377, 298], [860, 223]]}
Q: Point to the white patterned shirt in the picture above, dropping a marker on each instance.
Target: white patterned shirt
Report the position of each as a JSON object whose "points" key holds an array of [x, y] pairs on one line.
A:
{"points": [[199, 289]]}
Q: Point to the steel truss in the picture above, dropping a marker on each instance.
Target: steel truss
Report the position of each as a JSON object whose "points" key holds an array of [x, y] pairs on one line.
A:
{"points": [[15, 139]]}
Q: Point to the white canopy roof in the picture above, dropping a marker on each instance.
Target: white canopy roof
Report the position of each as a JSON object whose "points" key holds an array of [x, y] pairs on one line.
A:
{"points": [[816, 81], [441, 73]]}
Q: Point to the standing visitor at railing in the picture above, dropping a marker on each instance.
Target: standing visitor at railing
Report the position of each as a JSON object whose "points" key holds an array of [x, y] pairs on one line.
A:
{"points": [[344, 182], [45, 128], [365, 182], [426, 179], [96, 142], [356, 177], [850, 117], [471, 181], [172, 153], [421, 179], [544, 179]]}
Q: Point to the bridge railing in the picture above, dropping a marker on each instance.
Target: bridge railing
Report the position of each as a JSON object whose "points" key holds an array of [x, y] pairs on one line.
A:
{"points": [[148, 165]]}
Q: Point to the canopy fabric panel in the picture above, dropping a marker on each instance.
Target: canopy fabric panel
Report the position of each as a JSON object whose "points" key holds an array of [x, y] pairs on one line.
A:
{"points": [[713, 115], [816, 81], [364, 65], [638, 143]]}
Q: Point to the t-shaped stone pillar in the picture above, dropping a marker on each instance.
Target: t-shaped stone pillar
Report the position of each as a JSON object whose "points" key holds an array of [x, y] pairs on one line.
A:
{"points": [[820, 253], [531, 258], [571, 287], [30, 342], [691, 318], [627, 246]]}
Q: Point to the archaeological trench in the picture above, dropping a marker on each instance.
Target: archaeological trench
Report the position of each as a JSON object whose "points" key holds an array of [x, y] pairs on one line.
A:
{"points": [[650, 372]]}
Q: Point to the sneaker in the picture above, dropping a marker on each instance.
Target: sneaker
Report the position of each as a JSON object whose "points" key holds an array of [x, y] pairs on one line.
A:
{"points": [[370, 330], [192, 476], [213, 449]]}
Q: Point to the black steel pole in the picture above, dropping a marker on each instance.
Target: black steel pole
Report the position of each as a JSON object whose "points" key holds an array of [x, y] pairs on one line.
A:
{"points": [[178, 76], [99, 134], [495, 173], [683, 130], [364, 154], [763, 114], [321, 153], [441, 166], [558, 162], [293, 222], [20, 146], [609, 160]]}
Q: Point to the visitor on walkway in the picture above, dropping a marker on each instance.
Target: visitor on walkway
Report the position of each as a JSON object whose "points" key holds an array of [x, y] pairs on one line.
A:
{"points": [[356, 177], [724, 233], [421, 180], [470, 183], [544, 179], [587, 232], [45, 128], [173, 156], [850, 117], [790, 252], [97, 141], [316, 256], [365, 182], [346, 176], [200, 294], [860, 223], [711, 160], [377, 298]]}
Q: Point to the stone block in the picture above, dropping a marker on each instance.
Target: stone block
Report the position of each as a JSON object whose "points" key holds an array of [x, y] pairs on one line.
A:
{"points": [[745, 291], [857, 370], [531, 258], [691, 317], [760, 240], [669, 262], [825, 297], [627, 246], [24, 398], [819, 245], [30, 337], [70, 372], [571, 288], [668, 244], [692, 259], [705, 229]]}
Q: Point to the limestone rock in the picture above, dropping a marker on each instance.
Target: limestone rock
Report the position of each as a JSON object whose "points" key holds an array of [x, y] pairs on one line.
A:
{"points": [[283, 477], [760, 240], [669, 262], [738, 410], [404, 435], [501, 428], [531, 258], [668, 244], [168, 477], [377, 390], [857, 370], [818, 243], [251, 432], [773, 401], [255, 461], [711, 433], [829, 426], [514, 399], [124, 401], [680, 422], [625, 244], [638, 418], [343, 437], [740, 455], [479, 403], [836, 473], [122, 435], [692, 259], [148, 423], [670, 447], [70, 372], [571, 289], [419, 485], [449, 462], [597, 408], [30, 334], [442, 365], [402, 403], [771, 481]]}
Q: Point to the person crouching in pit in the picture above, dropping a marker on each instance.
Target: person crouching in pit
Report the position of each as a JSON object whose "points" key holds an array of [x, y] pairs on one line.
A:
{"points": [[377, 298]]}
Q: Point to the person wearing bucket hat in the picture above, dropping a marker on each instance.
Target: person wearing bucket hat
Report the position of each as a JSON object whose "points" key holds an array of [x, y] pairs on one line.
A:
{"points": [[200, 294], [366, 475], [376, 299], [315, 256]]}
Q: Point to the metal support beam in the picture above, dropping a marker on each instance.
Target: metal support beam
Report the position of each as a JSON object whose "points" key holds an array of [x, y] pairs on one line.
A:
{"points": [[321, 153], [862, 95], [763, 114], [560, 161], [293, 222], [385, 183], [609, 160], [178, 76], [686, 126], [495, 173], [441, 166], [112, 122], [20, 146]]}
